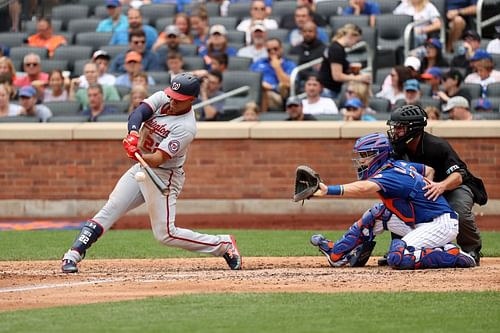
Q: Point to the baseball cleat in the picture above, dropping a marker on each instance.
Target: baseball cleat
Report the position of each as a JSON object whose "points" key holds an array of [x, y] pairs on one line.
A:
{"points": [[232, 256], [477, 256], [326, 247], [465, 260], [69, 266]]}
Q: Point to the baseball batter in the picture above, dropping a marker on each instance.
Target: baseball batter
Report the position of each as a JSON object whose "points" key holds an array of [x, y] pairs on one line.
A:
{"points": [[428, 227], [167, 126]]}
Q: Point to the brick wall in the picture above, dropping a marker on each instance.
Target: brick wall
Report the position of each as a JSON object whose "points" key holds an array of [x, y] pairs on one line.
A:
{"points": [[216, 168]]}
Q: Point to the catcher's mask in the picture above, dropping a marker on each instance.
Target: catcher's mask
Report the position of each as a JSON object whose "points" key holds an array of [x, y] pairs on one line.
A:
{"points": [[371, 152], [406, 123]]}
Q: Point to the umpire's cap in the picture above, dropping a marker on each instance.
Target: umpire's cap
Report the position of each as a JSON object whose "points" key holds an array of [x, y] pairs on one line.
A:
{"points": [[184, 86]]}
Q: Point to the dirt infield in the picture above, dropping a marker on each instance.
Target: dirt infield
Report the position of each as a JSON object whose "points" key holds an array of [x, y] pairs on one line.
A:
{"points": [[39, 284]]}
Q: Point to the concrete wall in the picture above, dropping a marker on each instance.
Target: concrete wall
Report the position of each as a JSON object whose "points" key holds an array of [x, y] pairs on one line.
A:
{"points": [[57, 170]]}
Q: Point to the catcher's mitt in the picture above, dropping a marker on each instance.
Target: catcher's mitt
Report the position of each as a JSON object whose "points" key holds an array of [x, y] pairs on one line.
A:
{"points": [[306, 183]]}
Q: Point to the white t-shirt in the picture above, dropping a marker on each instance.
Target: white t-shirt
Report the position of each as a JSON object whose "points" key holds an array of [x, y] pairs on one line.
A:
{"points": [[245, 25], [251, 52], [106, 78], [494, 46], [427, 13], [323, 106]]}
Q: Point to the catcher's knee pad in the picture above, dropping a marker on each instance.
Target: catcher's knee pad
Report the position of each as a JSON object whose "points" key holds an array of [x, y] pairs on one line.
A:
{"points": [[90, 232], [400, 256]]}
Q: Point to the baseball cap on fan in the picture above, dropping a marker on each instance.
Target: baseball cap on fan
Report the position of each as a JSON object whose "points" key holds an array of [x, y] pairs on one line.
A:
{"points": [[218, 29], [413, 62], [172, 30], [258, 26], [101, 54], [112, 3], [456, 102], [183, 87]]}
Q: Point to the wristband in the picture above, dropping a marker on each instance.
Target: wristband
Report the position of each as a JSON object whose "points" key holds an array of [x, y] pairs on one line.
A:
{"points": [[335, 190]]}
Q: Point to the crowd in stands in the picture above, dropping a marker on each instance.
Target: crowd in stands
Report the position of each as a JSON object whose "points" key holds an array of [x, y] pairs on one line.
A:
{"points": [[453, 78]]}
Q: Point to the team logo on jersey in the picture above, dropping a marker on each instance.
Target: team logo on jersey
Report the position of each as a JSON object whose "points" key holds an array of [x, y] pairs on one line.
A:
{"points": [[173, 146], [176, 86]]}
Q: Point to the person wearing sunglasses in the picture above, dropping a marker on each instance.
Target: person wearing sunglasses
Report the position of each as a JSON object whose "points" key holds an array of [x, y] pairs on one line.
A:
{"points": [[257, 13], [32, 66], [137, 43], [134, 16]]}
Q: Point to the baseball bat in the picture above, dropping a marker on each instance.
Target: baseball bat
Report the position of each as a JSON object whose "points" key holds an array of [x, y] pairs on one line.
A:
{"points": [[162, 187]]}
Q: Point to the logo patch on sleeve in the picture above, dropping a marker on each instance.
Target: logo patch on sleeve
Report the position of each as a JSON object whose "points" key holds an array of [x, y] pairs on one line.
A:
{"points": [[452, 168], [173, 146]]}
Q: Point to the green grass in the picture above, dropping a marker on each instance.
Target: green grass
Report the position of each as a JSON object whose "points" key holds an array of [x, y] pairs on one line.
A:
{"points": [[239, 313], [40, 245]]}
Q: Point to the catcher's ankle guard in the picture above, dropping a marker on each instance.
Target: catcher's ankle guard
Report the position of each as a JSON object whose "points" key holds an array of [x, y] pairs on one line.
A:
{"points": [[89, 234], [361, 254]]}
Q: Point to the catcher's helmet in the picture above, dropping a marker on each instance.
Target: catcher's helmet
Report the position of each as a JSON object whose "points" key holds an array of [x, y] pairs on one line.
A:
{"points": [[411, 119], [183, 87], [371, 151]]}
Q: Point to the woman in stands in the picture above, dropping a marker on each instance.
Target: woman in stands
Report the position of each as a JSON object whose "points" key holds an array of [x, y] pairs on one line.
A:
{"points": [[433, 55], [399, 74], [57, 90], [7, 73], [8, 109], [421, 10], [200, 27], [137, 94]]}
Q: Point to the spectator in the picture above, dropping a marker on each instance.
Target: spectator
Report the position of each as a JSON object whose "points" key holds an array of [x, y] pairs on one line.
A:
{"points": [[137, 94], [334, 70], [257, 13], [133, 65], [275, 75], [116, 20], [413, 64], [15, 14], [459, 15], [494, 44], [44, 37], [399, 74], [180, 29], [471, 43], [433, 77], [34, 76], [175, 64], [57, 91], [172, 44], [458, 109], [219, 62], [91, 74], [251, 112], [451, 86], [421, 10], [96, 107], [295, 111], [120, 37], [225, 5], [288, 21], [211, 86], [309, 49], [361, 91], [257, 49], [27, 99], [216, 44], [483, 105], [139, 79], [412, 94], [362, 7], [200, 27], [101, 59], [303, 16], [137, 43], [8, 109], [354, 110], [484, 72], [432, 113], [7, 73], [433, 55], [315, 104]]}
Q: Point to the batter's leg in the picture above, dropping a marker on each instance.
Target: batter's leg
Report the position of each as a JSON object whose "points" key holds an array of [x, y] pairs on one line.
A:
{"points": [[125, 196], [162, 214]]}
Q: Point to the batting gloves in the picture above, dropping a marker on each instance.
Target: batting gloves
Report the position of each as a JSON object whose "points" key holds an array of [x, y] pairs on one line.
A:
{"points": [[130, 145]]}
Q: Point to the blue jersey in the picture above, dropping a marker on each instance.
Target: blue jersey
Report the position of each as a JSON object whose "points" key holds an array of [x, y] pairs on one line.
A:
{"points": [[401, 192]]}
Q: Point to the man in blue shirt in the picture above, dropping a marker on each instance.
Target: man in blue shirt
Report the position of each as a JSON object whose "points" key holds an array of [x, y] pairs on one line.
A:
{"points": [[137, 43], [276, 72], [116, 20], [135, 23], [362, 7]]}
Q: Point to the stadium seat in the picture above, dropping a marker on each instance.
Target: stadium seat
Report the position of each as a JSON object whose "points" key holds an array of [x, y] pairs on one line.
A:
{"points": [[68, 35], [30, 26], [83, 25], [213, 8], [381, 105], [382, 74], [114, 50], [282, 8], [227, 21], [429, 101], [12, 39], [387, 6], [120, 117], [69, 119], [337, 22], [327, 117], [19, 119], [331, 8], [123, 90], [425, 90], [239, 63], [120, 106], [65, 13], [93, 39], [240, 10], [66, 108], [390, 40], [193, 62], [235, 36], [48, 65], [474, 89], [493, 90], [236, 79], [154, 12], [92, 4], [281, 34], [189, 49], [157, 87], [18, 52], [273, 116], [163, 22], [384, 116], [160, 77], [78, 67], [72, 53]]}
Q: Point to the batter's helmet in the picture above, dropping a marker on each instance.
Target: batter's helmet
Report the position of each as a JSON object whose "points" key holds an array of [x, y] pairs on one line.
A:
{"points": [[411, 119], [372, 151], [183, 87]]}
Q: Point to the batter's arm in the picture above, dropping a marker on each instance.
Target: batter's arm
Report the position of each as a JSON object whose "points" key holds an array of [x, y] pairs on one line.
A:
{"points": [[157, 158], [352, 190]]}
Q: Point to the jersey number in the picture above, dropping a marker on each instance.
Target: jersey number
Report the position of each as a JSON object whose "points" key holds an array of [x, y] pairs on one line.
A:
{"points": [[149, 144]]}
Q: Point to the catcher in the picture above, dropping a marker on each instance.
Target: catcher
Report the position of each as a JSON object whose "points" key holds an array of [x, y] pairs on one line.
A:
{"points": [[427, 227]]}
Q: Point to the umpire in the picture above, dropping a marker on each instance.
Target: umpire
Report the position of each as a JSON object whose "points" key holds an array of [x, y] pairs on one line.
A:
{"points": [[452, 179]]}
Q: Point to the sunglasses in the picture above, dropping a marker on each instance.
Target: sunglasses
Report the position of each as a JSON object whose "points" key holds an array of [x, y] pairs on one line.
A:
{"points": [[31, 64], [275, 49]]}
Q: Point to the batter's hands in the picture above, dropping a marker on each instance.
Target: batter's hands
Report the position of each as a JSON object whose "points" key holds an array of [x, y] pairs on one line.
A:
{"points": [[130, 144], [434, 190], [131, 150], [323, 189]]}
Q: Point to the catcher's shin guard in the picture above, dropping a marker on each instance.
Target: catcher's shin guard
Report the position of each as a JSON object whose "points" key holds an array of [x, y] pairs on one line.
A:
{"points": [[89, 234]]}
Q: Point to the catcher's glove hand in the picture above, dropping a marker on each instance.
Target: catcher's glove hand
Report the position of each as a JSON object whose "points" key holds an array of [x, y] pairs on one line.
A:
{"points": [[306, 183]]}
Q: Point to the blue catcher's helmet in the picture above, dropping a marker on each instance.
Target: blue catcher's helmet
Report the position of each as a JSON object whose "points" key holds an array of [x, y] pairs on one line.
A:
{"points": [[371, 152]]}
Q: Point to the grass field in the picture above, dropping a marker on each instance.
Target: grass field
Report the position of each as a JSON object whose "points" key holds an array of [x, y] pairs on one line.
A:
{"points": [[248, 312]]}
